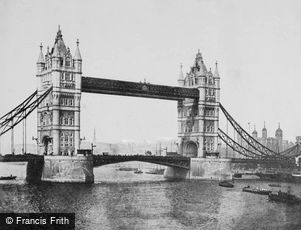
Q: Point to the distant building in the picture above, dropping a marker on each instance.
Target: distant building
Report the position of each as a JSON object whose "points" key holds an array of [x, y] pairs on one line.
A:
{"points": [[276, 143], [298, 139]]}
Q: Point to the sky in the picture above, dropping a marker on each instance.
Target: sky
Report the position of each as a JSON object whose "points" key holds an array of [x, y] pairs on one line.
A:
{"points": [[257, 44]]}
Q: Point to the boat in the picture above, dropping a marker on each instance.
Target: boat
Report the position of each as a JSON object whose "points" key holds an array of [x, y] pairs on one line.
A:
{"points": [[11, 177], [274, 185], [237, 175], [259, 191], [126, 169], [156, 171], [227, 184], [284, 197], [138, 171]]}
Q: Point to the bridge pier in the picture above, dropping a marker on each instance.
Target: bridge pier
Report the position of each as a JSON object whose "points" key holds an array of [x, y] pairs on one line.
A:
{"points": [[176, 173], [210, 168], [62, 169], [203, 169], [34, 170], [76, 169]]}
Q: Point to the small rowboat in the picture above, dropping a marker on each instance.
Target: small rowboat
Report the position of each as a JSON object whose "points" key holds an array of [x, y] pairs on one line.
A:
{"points": [[274, 185], [8, 177], [226, 184]]}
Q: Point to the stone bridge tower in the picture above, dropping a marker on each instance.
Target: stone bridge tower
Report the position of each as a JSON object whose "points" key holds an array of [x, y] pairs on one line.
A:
{"points": [[58, 120], [59, 114], [198, 121]]}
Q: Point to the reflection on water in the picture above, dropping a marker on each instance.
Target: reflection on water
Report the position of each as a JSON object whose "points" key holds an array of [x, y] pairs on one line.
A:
{"points": [[124, 200]]}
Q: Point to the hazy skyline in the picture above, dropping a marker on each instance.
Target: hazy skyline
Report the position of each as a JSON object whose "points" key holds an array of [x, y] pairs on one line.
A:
{"points": [[256, 43]]}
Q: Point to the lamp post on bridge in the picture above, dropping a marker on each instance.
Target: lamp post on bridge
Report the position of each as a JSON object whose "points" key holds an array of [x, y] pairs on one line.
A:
{"points": [[80, 140], [37, 141], [92, 146]]}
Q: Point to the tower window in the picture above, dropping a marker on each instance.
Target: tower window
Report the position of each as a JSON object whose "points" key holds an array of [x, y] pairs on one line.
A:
{"points": [[67, 75], [67, 62]]}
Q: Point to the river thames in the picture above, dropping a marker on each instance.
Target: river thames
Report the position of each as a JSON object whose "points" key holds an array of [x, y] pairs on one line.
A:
{"points": [[124, 200]]}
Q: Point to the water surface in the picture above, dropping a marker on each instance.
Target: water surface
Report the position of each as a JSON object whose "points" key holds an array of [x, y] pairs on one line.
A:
{"points": [[124, 200]]}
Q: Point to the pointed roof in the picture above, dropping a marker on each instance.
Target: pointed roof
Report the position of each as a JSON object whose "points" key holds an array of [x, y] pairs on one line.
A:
{"points": [[55, 51], [216, 73], [41, 56], [181, 75], [77, 55], [202, 70], [279, 130], [59, 48], [210, 72]]}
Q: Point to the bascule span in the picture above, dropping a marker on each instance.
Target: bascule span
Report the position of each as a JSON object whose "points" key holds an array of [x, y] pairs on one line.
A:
{"points": [[79, 169], [59, 169]]}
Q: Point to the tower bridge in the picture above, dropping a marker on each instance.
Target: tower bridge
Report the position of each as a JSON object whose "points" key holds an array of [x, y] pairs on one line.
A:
{"points": [[58, 97]]}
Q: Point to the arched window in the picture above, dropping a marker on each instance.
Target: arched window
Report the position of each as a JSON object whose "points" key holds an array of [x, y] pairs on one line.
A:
{"points": [[68, 62]]}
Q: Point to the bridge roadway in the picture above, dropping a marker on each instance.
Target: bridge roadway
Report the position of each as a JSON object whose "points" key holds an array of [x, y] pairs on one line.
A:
{"points": [[137, 89], [243, 166], [172, 161], [99, 160]]}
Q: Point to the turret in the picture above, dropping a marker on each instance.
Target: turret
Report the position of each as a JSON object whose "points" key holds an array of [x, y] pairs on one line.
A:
{"points": [[279, 133], [216, 76], [181, 77], [254, 133], [77, 59], [55, 58], [41, 61]]}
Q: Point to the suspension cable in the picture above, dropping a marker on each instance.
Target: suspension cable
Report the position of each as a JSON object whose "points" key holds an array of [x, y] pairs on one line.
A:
{"points": [[246, 136], [236, 146], [17, 109], [15, 116]]}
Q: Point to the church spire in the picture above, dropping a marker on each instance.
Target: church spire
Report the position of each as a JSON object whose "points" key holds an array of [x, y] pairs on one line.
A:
{"points": [[94, 136], [41, 56], [264, 131], [264, 128], [77, 55]]}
